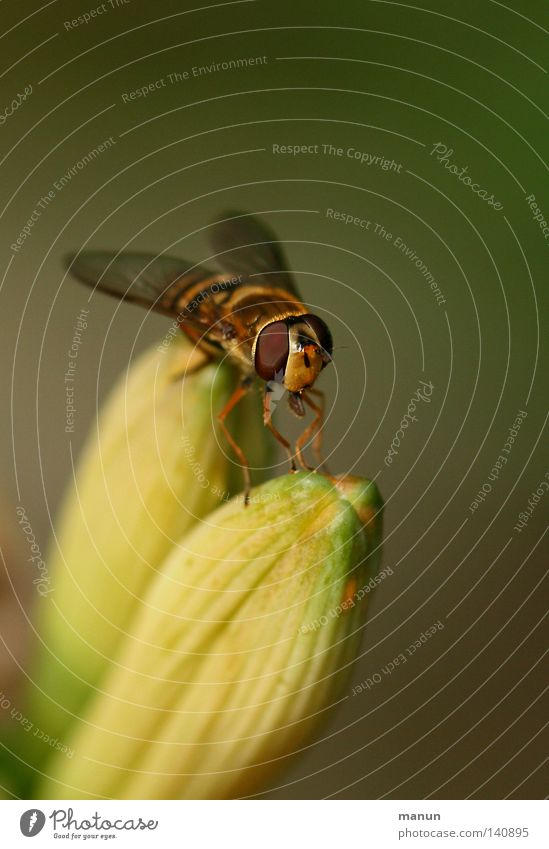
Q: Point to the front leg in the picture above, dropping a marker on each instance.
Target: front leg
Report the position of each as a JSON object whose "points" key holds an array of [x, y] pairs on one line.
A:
{"points": [[317, 441], [241, 390], [314, 428], [267, 421], [189, 363]]}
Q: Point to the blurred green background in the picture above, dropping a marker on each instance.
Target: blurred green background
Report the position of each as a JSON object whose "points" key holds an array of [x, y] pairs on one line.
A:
{"points": [[463, 716]]}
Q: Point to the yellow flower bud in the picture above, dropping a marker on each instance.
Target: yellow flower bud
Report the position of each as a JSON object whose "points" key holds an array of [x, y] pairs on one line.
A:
{"points": [[153, 465], [239, 647]]}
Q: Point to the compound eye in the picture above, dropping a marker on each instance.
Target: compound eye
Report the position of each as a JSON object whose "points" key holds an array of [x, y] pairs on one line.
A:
{"points": [[321, 331], [272, 350]]}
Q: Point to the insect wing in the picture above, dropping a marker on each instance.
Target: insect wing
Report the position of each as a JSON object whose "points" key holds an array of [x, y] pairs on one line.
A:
{"points": [[154, 282], [245, 246]]}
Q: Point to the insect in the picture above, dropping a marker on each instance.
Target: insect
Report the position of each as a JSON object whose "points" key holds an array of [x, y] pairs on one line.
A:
{"points": [[250, 312]]}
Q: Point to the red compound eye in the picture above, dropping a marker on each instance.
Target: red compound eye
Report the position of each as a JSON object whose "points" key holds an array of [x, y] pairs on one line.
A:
{"points": [[272, 350]]}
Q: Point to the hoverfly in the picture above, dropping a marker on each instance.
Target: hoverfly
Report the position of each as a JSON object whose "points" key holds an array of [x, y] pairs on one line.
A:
{"points": [[250, 313]]}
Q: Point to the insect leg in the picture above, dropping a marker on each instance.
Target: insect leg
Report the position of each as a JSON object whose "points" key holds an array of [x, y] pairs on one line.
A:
{"points": [[237, 396], [317, 441], [193, 363], [314, 428], [267, 421]]}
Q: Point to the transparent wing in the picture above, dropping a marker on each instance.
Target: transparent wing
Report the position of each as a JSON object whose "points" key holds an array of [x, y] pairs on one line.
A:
{"points": [[154, 282], [247, 247]]}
